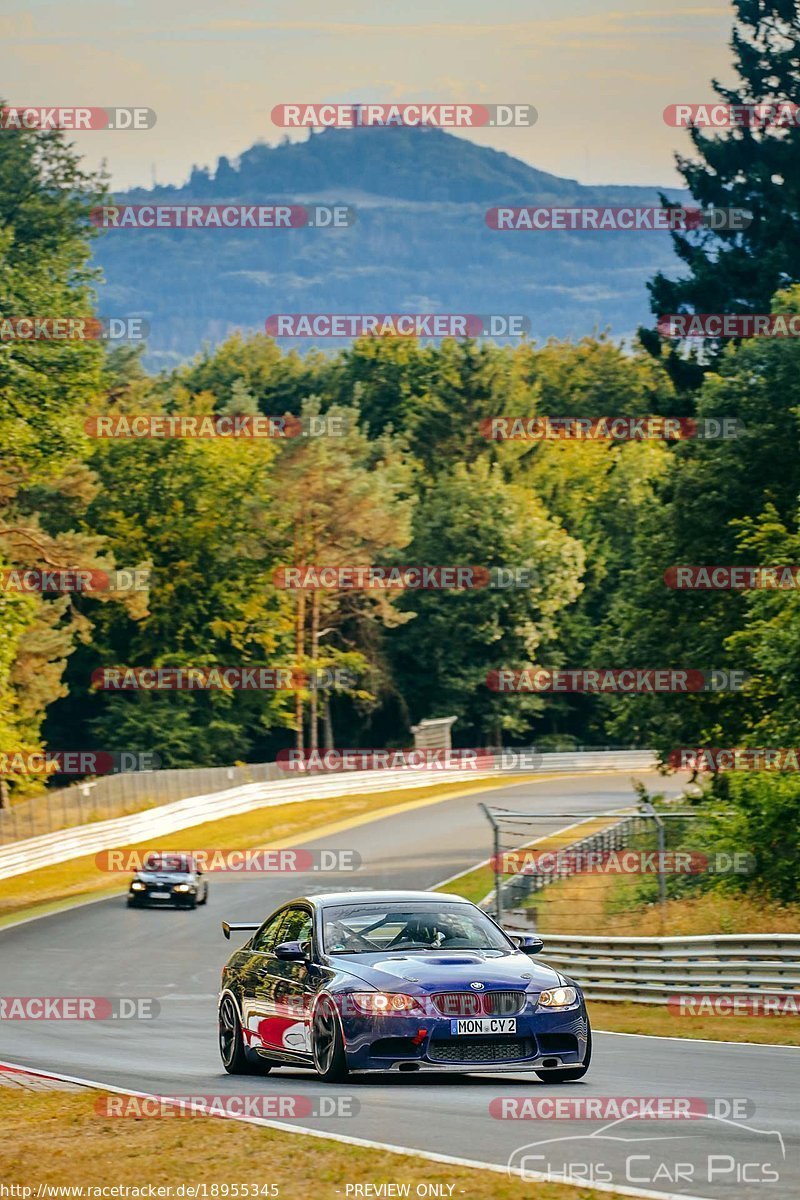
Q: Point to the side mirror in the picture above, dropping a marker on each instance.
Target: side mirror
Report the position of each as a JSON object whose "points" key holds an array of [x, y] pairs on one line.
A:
{"points": [[290, 952], [528, 943]]}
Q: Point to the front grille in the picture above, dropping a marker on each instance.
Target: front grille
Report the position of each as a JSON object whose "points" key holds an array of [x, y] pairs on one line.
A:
{"points": [[481, 1050], [503, 1004], [475, 1004], [458, 1004]]}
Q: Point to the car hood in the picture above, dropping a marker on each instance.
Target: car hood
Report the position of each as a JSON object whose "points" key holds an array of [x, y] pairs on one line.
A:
{"points": [[455, 970]]}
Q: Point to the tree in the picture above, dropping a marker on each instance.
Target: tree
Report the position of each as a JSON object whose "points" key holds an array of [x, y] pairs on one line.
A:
{"points": [[45, 483], [596, 490], [472, 517], [200, 513], [721, 502], [344, 501], [756, 168]]}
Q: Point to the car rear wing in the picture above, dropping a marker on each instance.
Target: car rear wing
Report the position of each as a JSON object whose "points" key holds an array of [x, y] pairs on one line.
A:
{"points": [[229, 927]]}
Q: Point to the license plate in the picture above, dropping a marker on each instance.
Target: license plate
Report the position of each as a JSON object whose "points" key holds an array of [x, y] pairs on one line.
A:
{"points": [[466, 1025], [159, 896]]}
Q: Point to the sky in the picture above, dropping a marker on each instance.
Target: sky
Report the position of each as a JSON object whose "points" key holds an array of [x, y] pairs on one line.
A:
{"points": [[599, 74]]}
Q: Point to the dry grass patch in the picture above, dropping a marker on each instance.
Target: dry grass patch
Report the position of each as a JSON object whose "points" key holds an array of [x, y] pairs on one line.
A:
{"points": [[56, 1138]]}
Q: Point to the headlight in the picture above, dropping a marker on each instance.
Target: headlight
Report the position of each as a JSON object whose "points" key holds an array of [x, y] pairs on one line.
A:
{"points": [[378, 1003], [560, 997], [182, 887], [136, 886]]}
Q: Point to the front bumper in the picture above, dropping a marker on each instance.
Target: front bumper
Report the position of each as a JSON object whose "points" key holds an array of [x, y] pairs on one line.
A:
{"points": [[159, 899], [542, 1040]]}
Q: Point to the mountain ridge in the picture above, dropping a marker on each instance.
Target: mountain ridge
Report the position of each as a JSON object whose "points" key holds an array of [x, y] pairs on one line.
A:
{"points": [[419, 239]]}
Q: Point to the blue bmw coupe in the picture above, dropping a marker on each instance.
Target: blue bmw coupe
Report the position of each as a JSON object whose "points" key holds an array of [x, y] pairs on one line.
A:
{"points": [[396, 981]]}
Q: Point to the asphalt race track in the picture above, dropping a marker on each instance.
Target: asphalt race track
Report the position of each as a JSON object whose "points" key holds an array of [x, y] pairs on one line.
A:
{"points": [[104, 949]]}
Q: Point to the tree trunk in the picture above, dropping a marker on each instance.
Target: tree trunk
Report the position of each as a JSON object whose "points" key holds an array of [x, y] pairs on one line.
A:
{"points": [[313, 702], [327, 723], [300, 649]]}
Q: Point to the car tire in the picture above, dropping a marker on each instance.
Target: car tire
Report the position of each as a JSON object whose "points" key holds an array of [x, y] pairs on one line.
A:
{"points": [[327, 1043], [231, 1043], [570, 1074], [205, 897]]}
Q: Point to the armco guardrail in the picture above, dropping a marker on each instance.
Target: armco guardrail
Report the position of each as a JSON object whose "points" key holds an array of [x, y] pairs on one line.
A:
{"points": [[52, 848], [648, 970], [121, 795], [128, 792]]}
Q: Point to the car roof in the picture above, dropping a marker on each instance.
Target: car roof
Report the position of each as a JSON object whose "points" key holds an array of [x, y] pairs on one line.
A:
{"points": [[326, 899]]}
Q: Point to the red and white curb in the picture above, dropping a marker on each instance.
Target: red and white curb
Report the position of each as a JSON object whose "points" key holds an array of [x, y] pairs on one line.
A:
{"points": [[21, 1079]]}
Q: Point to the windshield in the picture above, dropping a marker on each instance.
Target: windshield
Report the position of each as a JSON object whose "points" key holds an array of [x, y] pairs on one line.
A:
{"points": [[367, 928], [166, 862]]}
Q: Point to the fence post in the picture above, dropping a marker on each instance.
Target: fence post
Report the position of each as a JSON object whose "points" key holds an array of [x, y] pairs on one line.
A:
{"points": [[662, 879], [498, 879]]}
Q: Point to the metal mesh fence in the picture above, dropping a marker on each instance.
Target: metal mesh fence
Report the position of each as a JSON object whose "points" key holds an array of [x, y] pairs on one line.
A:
{"points": [[598, 875], [120, 795]]}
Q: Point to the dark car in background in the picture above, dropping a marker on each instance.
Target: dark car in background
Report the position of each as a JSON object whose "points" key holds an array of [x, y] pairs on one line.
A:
{"points": [[168, 879]]}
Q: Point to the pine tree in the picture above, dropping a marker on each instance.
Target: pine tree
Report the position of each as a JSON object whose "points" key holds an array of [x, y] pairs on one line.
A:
{"points": [[753, 167]]}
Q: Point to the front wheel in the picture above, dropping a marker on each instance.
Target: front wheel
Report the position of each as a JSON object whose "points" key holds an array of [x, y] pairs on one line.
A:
{"points": [[570, 1074], [231, 1043], [327, 1043]]}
